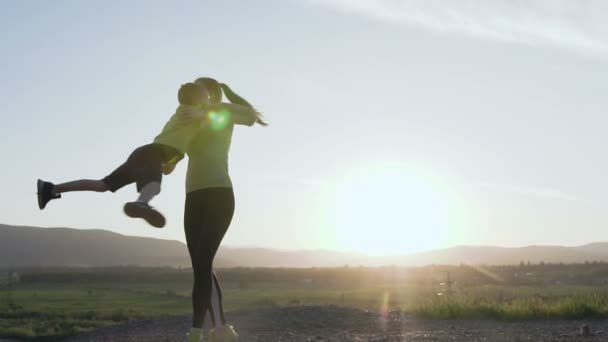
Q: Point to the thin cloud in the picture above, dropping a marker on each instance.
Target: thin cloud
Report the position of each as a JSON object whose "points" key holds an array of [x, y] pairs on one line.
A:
{"points": [[580, 25], [530, 191]]}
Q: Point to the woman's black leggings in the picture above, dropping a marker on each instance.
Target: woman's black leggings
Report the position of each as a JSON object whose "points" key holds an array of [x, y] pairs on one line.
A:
{"points": [[207, 216]]}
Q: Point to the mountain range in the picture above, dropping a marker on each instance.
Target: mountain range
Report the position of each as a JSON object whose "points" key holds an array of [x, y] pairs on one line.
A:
{"points": [[60, 247]]}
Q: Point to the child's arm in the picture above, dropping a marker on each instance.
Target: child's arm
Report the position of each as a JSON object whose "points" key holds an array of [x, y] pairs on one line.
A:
{"points": [[236, 99], [192, 113], [169, 166]]}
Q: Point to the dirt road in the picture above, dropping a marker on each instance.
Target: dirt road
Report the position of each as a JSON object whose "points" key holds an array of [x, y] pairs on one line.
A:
{"points": [[335, 324]]}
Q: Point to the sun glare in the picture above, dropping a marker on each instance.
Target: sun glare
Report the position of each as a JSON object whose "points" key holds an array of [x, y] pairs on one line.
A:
{"points": [[391, 211], [219, 120]]}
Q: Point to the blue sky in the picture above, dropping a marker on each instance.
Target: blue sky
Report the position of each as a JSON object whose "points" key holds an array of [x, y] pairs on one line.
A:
{"points": [[395, 125]]}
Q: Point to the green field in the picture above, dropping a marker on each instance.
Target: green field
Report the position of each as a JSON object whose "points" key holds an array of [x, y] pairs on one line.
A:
{"points": [[50, 304]]}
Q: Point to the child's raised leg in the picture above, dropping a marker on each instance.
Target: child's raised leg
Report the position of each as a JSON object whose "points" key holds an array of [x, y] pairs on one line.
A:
{"points": [[80, 185], [148, 192], [48, 191]]}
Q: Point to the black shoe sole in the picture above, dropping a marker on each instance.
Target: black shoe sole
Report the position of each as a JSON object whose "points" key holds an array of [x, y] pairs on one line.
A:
{"points": [[40, 186], [153, 217]]}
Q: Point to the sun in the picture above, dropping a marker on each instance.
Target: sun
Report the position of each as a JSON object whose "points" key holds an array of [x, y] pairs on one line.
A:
{"points": [[390, 211]]}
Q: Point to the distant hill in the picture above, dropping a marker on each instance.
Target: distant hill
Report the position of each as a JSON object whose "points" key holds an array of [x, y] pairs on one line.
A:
{"points": [[40, 247], [265, 257], [44, 247]]}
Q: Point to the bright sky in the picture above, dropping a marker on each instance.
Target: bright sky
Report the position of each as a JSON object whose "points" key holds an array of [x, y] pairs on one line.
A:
{"points": [[396, 126]]}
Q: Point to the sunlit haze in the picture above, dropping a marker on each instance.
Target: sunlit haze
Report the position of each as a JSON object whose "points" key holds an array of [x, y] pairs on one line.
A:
{"points": [[395, 126]]}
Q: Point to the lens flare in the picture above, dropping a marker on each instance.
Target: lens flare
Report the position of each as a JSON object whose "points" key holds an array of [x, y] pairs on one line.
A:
{"points": [[219, 120], [384, 309], [487, 273], [385, 300]]}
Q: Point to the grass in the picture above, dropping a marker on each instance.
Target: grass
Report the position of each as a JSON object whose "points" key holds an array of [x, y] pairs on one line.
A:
{"points": [[48, 311], [523, 308], [59, 311]]}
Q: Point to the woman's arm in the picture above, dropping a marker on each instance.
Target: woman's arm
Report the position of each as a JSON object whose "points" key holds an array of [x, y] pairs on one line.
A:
{"points": [[236, 99], [238, 114], [207, 113]]}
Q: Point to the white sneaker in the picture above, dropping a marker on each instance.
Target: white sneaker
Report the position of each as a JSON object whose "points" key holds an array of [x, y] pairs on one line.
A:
{"points": [[223, 333]]}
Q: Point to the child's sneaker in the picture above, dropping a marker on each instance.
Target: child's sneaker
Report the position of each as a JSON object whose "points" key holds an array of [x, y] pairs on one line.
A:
{"points": [[145, 211], [224, 333], [45, 193]]}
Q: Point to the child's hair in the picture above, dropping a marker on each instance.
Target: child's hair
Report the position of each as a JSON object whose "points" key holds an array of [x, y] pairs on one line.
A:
{"points": [[213, 88], [189, 93]]}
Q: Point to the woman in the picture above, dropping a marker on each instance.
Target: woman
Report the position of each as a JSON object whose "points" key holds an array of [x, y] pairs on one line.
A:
{"points": [[209, 208]]}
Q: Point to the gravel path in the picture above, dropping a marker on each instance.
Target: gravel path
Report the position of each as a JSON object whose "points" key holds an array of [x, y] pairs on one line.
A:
{"points": [[336, 324]]}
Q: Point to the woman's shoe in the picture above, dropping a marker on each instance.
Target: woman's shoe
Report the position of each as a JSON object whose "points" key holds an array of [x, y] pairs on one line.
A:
{"points": [[223, 333]]}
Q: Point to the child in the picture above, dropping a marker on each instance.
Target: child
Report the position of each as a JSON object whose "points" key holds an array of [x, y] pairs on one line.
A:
{"points": [[146, 164]]}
